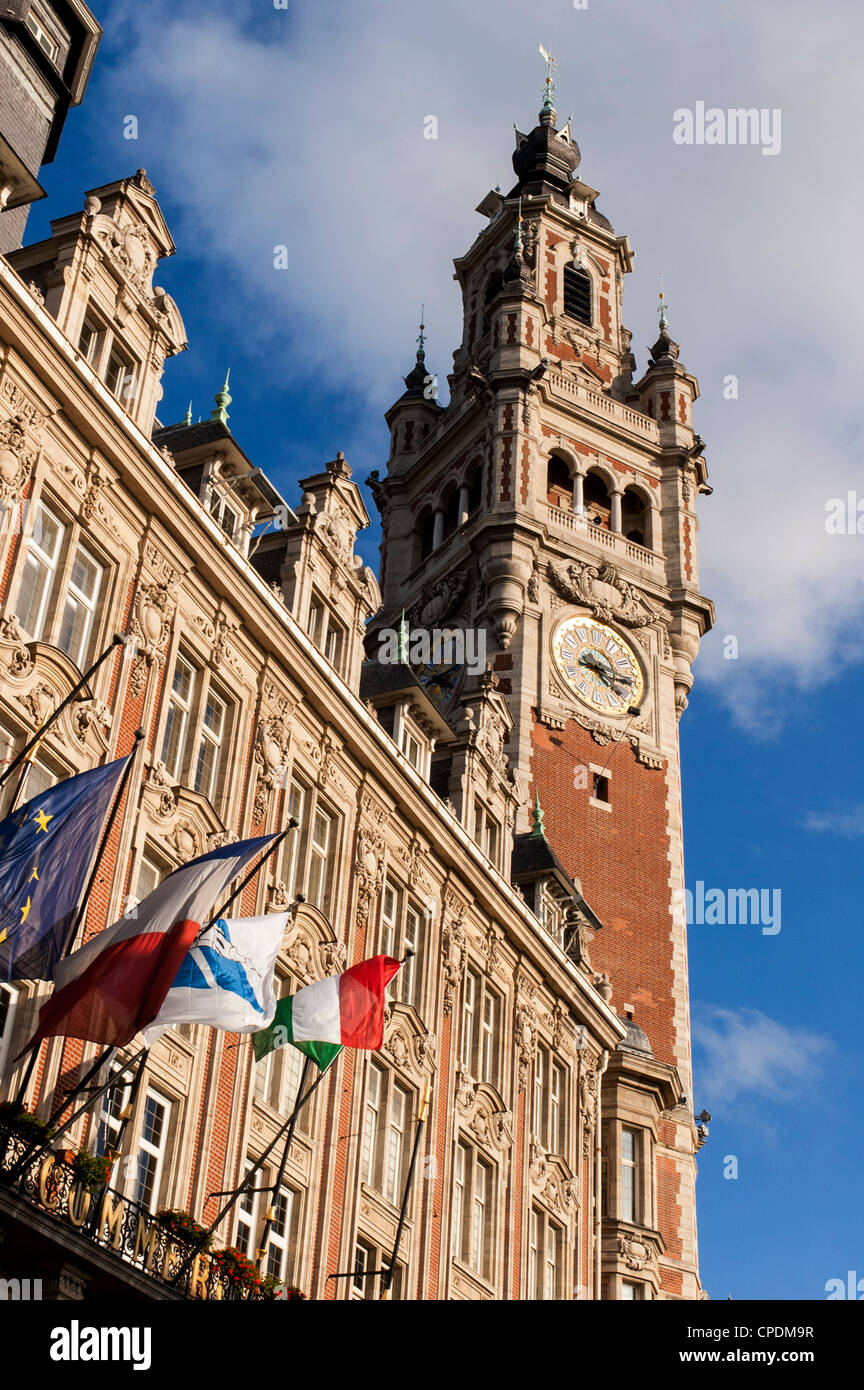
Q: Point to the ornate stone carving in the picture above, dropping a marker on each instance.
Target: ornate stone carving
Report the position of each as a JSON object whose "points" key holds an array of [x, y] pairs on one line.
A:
{"points": [[482, 1114], [437, 600], [151, 624], [588, 1088], [88, 714], [526, 1038], [335, 956], [39, 702], [637, 1254], [24, 410], [602, 589], [453, 940], [369, 867], [272, 741], [16, 460]]}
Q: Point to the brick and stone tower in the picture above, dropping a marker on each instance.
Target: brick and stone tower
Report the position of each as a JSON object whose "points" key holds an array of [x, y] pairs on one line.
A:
{"points": [[553, 504]]}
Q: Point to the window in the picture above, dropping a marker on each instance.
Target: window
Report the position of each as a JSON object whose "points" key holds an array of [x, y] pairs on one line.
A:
{"points": [[545, 1257], [629, 1292], [92, 341], [481, 1028], [596, 501], [401, 924], [150, 875], [39, 572], [634, 517], [387, 1114], [8, 1003], [309, 858], [151, 1149], [120, 376], [473, 1216], [197, 726], [82, 596], [629, 1175], [369, 1261], [577, 294], [277, 1076], [179, 712], [327, 634], [226, 516], [50, 38], [210, 745], [410, 746], [550, 1102], [559, 484], [253, 1209], [486, 832], [114, 1102], [601, 787]]}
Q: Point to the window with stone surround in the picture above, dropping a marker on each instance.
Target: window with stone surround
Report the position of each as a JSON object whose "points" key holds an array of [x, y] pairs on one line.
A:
{"points": [[389, 1116], [577, 294], [61, 585], [473, 1209], [545, 1262], [196, 734]]}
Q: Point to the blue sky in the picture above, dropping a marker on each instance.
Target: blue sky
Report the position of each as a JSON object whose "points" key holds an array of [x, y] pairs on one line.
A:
{"points": [[303, 127]]}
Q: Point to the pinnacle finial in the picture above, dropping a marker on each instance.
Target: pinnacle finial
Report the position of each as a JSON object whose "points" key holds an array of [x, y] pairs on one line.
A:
{"points": [[517, 246], [421, 336], [223, 400], [187, 418], [549, 85], [537, 827], [664, 322]]}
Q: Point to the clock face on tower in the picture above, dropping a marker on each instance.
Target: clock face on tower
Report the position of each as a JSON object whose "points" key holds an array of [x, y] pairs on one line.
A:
{"points": [[600, 668]]}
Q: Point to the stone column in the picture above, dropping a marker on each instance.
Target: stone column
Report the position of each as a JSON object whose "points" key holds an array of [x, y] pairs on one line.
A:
{"points": [[463, 504], [438, 529], [615, 519]]}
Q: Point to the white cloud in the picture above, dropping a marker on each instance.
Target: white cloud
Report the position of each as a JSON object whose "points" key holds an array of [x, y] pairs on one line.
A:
{"points": [[305, 128], [847, 823], [742, 1055]]}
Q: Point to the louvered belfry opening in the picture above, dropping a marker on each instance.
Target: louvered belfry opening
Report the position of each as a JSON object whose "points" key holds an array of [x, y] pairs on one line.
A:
{"points": [[577, 294]]}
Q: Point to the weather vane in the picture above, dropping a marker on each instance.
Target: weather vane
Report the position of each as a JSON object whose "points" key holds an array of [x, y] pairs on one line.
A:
{"points": [[662, 306], [421, 336], [549, 88]]}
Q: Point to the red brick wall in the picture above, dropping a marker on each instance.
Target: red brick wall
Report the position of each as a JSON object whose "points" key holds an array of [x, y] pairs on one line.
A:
{"points": [[620, 857]]}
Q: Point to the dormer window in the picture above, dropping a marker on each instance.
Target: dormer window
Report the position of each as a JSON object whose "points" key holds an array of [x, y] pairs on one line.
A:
{"points": [[47, 33], [92, 341], [120, 376], [225, 516], [486, 832], [326, 632], [577, 294]]}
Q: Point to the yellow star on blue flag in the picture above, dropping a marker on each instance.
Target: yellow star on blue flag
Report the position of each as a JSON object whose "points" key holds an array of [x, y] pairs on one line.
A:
{"points": [[46, 852]]}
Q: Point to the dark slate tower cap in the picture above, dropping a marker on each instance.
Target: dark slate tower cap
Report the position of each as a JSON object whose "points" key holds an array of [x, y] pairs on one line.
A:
{"points": [[545, 160]]}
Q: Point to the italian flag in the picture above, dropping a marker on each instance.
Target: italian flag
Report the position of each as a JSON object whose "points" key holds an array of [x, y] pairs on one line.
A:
{"points": [[344, 1011]]}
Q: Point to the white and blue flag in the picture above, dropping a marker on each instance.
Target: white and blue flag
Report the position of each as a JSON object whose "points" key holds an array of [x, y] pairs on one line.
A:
{"points": [[226, 979]]}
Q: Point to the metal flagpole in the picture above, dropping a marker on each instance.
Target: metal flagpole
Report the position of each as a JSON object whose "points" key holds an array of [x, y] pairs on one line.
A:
{"points": [[116, 641], [104, 1056], [109, 826], [256, 1168], [387, 1276], [274, 1190], [271, 849], [82, 908]]}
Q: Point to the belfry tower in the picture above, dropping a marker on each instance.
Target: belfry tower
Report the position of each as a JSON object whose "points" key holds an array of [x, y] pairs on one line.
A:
{"points": [[553, 505]]}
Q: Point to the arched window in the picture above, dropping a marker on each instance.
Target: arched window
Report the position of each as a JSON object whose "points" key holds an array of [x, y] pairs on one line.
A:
{"points": [[451, 513], [475, 488], [577, 294], [598, 504], [493, 285], [427, 532], [635, 517], [559, 484]]}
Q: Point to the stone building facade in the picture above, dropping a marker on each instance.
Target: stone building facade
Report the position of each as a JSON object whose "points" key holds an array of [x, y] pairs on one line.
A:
{"points": [[545, 1006]]}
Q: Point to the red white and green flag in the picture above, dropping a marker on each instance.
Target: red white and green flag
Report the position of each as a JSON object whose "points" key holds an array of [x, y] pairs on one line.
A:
{"points": [[343, 1011]]}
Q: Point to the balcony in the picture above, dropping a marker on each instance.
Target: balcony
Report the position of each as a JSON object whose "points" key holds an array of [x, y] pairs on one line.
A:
{"points": [[611, 541], [95, 1244]]}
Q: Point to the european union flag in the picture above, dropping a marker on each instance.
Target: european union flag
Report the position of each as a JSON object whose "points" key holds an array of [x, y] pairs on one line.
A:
{"points": [[46, 852]]}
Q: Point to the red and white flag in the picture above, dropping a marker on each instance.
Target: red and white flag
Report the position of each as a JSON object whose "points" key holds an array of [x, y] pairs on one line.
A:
{"points": [[116, 984]]}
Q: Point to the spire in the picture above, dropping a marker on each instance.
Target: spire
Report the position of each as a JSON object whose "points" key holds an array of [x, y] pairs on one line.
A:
{"points": [[416, 378], [546, 160], [187, 418], [537, 827], [665, 350], [223, 400], [547, 111]]}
